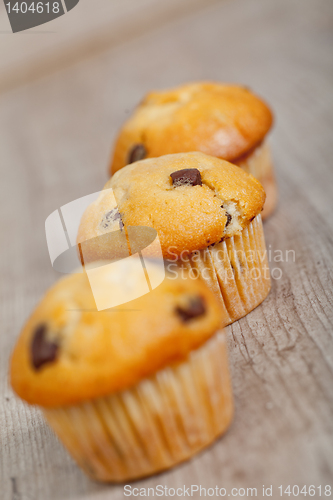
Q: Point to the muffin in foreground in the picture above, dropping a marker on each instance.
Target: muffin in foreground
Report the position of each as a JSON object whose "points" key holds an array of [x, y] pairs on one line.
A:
{"points": [[129, 391], [206, 212], [223, 120]]}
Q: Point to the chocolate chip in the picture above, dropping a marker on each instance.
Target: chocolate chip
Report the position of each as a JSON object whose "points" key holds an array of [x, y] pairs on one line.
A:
{"points": [[138, 152], [117, 216], [228, 216], [111, 217], [42, 350], [195, 308], [186, 177]]}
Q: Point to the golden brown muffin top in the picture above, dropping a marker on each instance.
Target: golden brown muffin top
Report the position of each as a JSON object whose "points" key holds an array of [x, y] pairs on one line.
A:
{"points": [[211, 200], [69, 352], [221, 120]]}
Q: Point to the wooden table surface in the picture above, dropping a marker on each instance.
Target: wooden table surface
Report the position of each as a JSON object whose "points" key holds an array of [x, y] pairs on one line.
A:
{"points": [[57, 125]]}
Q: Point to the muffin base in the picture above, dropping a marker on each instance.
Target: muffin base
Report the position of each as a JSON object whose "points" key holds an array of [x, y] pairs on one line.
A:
{"points": [[259, 163], [236, 270], [162, 421]]}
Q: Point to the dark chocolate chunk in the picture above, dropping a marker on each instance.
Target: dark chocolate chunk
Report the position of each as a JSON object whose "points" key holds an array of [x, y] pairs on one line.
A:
{"points": [[228, 216], [111, 217], [117, 216], [186, 177], [137, 153], [195, 308], [42, 350]]}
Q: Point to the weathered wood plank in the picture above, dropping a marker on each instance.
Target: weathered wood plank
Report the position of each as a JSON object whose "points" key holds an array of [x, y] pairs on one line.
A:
{"points": [[80, 34]]}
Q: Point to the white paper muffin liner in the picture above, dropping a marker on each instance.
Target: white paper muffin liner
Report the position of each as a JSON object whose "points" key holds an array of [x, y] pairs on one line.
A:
{"points": [[259, 163], [158, 423], [236, 270]]}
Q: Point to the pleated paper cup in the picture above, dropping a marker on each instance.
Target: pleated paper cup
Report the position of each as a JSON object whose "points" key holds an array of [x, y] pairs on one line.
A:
{"points": [[163, 420], [259, 163], [236, 270]]}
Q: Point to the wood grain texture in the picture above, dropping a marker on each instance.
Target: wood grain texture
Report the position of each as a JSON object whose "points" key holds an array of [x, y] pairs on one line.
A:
{"points": [[55, 140], [80, 34]]}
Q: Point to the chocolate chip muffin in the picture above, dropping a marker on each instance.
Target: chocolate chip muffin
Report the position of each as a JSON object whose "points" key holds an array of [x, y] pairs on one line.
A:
{"points": [[206, 212], [223, 120], [129, 391]]}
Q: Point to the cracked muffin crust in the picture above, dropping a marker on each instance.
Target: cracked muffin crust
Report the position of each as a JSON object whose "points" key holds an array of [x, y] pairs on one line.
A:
{"points": [[192, 200], [69, 352], [223, 120]]}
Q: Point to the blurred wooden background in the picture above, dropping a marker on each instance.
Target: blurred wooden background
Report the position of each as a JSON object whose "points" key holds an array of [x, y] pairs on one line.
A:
{"points": [[65, 88]]}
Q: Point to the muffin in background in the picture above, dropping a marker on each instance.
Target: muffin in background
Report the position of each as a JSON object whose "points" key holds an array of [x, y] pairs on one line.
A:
{"points": [[206, 212], [223, 120], [129, 391]]}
